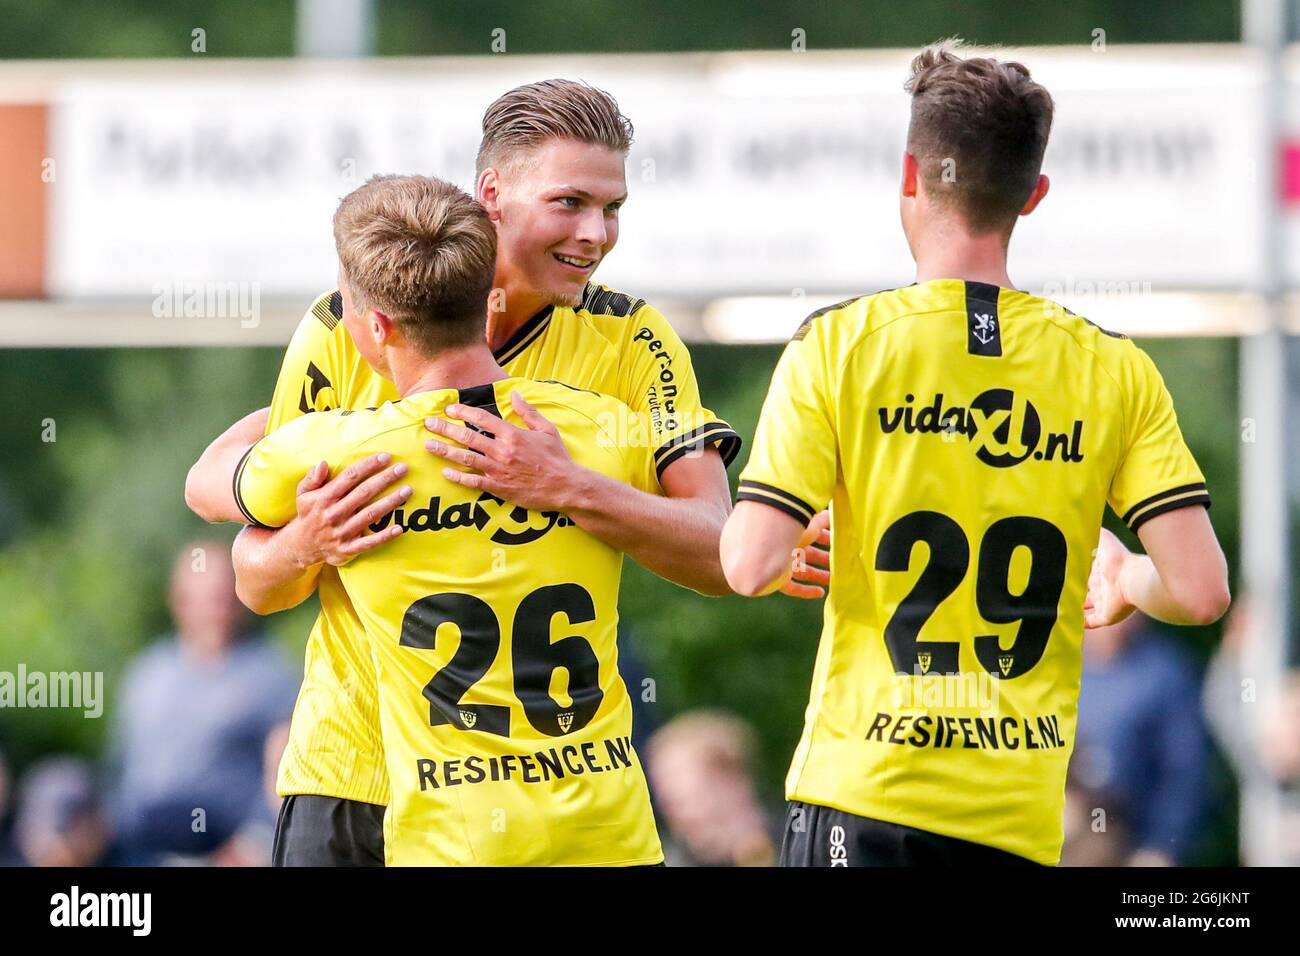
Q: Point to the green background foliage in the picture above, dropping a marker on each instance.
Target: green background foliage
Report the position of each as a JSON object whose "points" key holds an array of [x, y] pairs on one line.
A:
{"points": [[91, 523], [159, 28]]}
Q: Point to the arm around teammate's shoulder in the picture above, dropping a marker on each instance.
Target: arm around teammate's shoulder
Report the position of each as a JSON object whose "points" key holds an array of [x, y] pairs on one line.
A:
{"points": [[1182, 578], [277, 568], [674, 535], [208, 490]]}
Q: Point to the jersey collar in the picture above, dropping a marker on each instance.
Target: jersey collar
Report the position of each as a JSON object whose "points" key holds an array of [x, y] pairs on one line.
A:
{"points": [[480, 396], [524, 336]]}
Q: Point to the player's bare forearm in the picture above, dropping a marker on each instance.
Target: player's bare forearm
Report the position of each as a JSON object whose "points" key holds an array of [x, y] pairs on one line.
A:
{"points": [[269, 573], [756, 548], [1182, 579], [1144, 587], [208, 490], [675, 537]]}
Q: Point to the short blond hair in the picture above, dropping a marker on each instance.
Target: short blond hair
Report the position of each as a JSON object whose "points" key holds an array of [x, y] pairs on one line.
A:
{"points": [[422, 252], [534, 113]]}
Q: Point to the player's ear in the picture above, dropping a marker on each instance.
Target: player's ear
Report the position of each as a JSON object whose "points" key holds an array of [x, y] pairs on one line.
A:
{"points": [[1035, 197], [910, 176], [488, 192], [380, 325]]}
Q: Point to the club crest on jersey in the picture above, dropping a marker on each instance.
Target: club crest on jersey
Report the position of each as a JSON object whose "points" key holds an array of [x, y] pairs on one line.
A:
{"points": [[923, 658], [565, 720], [314, 383], [504, 523], [469, 718], [1004, 663], [1004, 428]]}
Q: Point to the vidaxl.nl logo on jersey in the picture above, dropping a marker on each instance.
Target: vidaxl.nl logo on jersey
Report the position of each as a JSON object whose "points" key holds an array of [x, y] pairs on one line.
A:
{"points": [[505, 523], [1005, 428]]}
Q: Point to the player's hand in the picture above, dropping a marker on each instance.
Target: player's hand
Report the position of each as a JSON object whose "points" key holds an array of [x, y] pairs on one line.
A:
{"points": [[1105, 603], [529, 467], [334, 513], [807, 581]]}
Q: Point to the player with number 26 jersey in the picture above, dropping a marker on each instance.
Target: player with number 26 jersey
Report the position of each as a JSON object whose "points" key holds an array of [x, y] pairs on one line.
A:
{"points": [[506, 725]]}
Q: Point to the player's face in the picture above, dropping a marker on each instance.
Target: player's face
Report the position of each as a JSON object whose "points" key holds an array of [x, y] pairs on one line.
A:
{"points": [[556, 211]]}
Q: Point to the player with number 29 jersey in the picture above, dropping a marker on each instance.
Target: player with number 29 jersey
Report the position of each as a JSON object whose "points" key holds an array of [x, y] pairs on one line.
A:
{"points": [[945, 689], [506, 725]]}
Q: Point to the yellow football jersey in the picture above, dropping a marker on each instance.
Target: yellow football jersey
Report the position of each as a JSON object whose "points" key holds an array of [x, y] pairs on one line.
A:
{"points": [[968, 439], [611, 343], [334, 748], [506, 725]]}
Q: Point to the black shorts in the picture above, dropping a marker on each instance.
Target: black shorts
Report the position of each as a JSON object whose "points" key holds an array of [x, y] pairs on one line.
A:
{"points": [[821, 836], [327, 831]]}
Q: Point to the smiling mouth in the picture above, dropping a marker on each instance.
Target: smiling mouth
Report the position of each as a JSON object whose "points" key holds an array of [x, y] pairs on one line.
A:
{"points": [[575, 262]]}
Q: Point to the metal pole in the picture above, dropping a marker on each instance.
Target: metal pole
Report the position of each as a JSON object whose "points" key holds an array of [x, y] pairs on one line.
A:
{"points": [[335, 28], [1265, 545]]}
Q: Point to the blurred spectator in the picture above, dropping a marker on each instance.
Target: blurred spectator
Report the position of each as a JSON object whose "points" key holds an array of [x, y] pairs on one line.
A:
{"points": [[251, 845], [8, 855], [1279, 741], [640, 687], [1092, 838], [1141, 741], [60, 819], [699, 766], [193, 718], [272, 752], [1223, 696], [1260, 735]]}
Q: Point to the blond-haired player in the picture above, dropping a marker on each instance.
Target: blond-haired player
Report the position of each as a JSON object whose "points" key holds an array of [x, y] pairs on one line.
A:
{"points": [[551, 177], [505, 723]]}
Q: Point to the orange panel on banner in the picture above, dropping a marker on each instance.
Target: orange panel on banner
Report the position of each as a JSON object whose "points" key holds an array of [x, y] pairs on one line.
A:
{"points": [[23, 199]]}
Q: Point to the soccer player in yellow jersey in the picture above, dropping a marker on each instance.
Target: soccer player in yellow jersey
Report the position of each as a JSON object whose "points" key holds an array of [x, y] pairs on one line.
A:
{"points": [[505, 723], [551, 177], [968, 436]]}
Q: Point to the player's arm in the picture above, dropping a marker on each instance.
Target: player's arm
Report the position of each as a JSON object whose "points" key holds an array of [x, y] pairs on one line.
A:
{"points": [[1160, 493], [277, 568], [259, 579], [270, 495], [675, 536], [790, 474], [1182, 578], [761, 545], [207, 486]]}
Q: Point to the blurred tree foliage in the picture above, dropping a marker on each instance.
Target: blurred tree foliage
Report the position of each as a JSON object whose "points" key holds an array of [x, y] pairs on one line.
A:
{"points": [[159, 28], [91, 522]]}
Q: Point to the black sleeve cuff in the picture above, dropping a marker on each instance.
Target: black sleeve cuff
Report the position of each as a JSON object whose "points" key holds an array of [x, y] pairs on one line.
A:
{"points": [[239, 498], [714, 433], [794, 506], [1183, 496]]}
